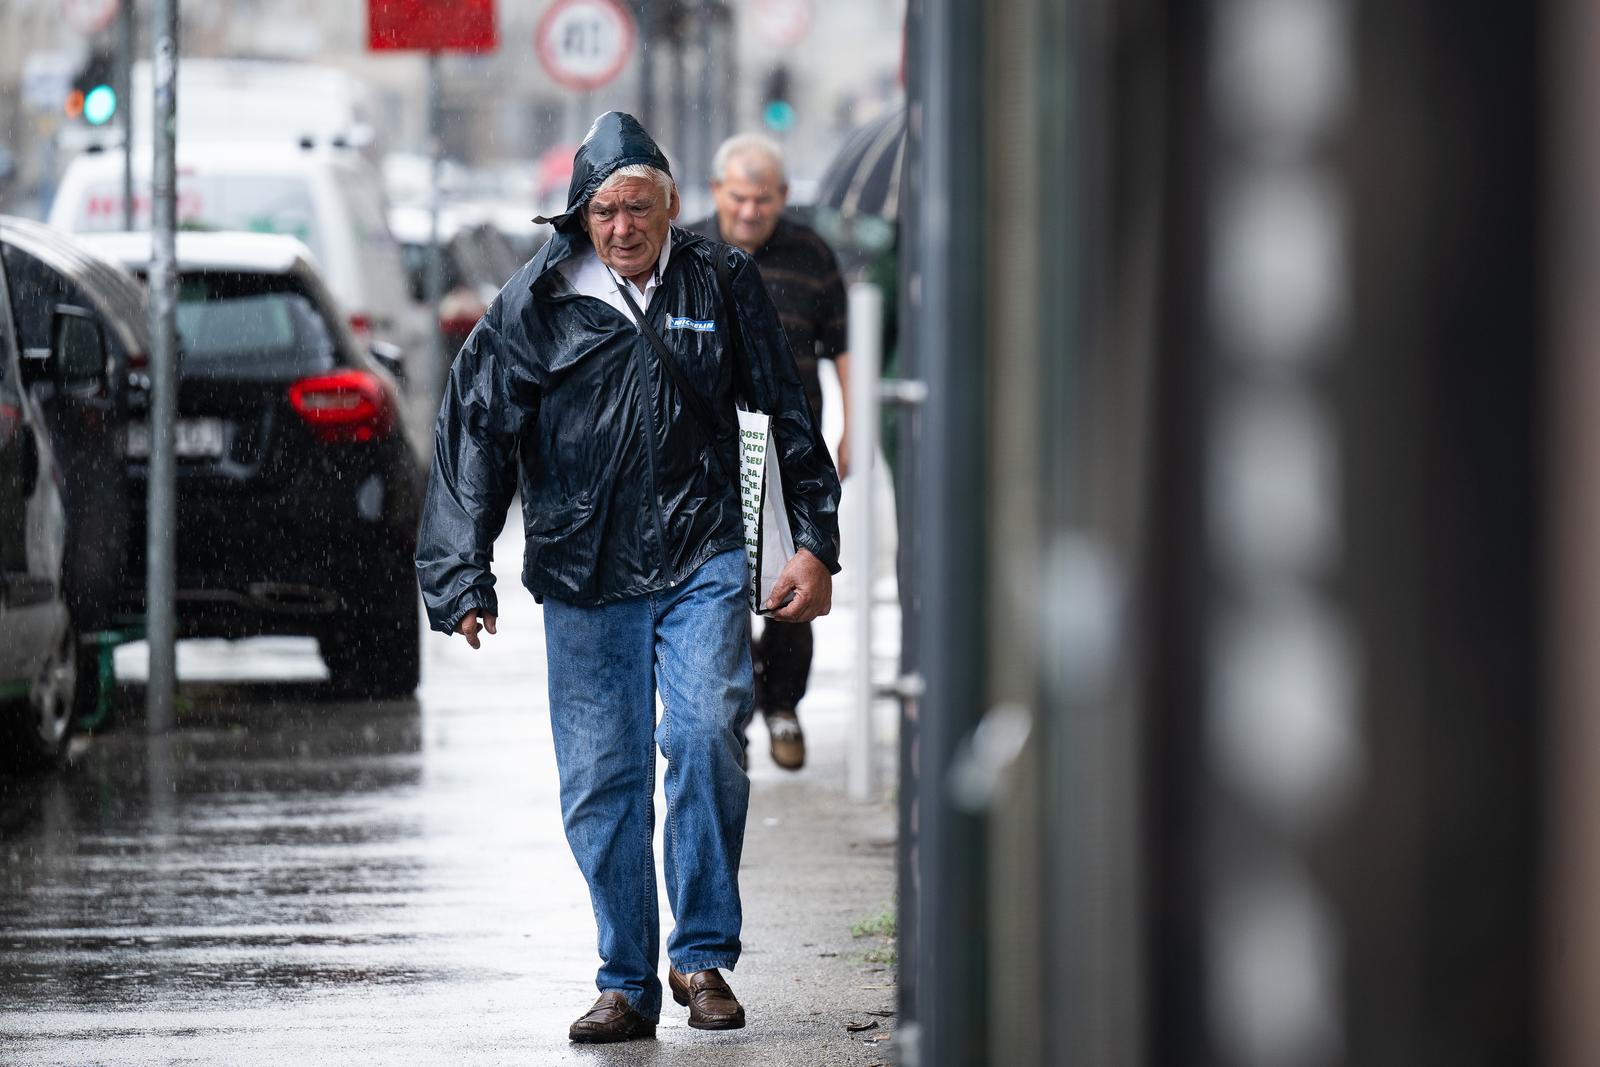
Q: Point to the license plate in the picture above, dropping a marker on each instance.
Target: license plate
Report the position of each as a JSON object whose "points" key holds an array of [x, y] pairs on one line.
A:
{"points": [[192, 439]]}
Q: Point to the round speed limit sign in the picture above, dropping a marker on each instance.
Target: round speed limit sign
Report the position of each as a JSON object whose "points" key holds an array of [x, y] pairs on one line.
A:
{"points": [[583, 44]]}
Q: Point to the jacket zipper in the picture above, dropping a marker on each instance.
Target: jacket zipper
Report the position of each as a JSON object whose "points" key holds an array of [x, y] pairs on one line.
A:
{"points": [[640, 343], [650, 445]]}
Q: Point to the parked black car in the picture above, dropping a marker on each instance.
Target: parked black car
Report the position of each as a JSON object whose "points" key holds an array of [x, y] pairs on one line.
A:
{"points": [[72, 346], [298, 494]]}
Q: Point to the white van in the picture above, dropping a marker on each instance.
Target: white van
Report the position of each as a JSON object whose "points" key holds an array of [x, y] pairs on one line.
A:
{"points": [[331, 199], [267, 101]]}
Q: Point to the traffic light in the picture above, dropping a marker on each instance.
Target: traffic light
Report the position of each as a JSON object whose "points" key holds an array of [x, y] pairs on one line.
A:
{"points": [[93, 96], [776, 110]]}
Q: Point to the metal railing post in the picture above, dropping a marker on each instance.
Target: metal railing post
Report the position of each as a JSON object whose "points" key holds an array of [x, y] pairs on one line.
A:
{"points": [[866, 341]]}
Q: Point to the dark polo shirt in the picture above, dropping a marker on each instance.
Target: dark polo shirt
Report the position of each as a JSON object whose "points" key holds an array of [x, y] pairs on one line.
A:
{"points": [[802, 277]]}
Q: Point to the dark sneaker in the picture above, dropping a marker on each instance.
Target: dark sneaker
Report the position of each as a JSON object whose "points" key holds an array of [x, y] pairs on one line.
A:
{"points": [[788, 741], [611, 1019], [711, 1004]]}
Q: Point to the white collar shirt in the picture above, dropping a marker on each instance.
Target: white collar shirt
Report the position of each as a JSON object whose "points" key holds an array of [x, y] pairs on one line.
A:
{"points": [[590, 277]]}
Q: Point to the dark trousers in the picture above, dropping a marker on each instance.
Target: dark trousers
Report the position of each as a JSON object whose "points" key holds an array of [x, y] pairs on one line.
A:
{"points": [[782, 660]]}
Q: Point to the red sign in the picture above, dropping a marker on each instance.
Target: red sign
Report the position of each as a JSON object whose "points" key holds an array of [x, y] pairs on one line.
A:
{"points": [[89, 17], [431, 25], [583, 44]]}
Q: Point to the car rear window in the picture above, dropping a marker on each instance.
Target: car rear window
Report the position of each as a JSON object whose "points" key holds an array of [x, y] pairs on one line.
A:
{"points": [[236, 326], [258, 204]]}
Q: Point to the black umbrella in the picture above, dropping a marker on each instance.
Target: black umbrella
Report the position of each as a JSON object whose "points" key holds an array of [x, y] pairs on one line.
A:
{"points": [[864, 178]]}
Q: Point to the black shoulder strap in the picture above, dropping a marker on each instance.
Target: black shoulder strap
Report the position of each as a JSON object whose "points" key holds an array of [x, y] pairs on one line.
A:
{"points": [[735, 337]]}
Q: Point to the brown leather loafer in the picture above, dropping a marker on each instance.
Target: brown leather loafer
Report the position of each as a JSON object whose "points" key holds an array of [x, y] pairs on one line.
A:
{"points": [[611, 1019], [712, 1005]]}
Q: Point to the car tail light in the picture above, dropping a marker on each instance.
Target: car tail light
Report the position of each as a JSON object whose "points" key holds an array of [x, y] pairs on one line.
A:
{"points": [[361, 326], [348, 406]]}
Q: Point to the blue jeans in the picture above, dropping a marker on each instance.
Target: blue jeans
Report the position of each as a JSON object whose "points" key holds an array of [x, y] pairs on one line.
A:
{"points": [[606, 664]]}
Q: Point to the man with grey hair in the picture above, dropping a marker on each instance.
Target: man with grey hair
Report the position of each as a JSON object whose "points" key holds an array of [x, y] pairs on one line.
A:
{"points": [[750, 189], [601, 384]]}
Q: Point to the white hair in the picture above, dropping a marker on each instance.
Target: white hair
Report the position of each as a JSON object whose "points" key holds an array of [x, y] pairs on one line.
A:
{"points": [[745, 145], [662, 179]]}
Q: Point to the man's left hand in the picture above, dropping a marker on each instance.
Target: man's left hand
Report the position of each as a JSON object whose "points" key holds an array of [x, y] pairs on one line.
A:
{"points": [[806, 577]]}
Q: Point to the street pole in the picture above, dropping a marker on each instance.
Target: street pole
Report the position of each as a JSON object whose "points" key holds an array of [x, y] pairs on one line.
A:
{"points": [[577, 115], [160, 624], [438, 369], [125, 105], [732, 90], [865, 340], [680, 97], [705, 142], [647, 65]]}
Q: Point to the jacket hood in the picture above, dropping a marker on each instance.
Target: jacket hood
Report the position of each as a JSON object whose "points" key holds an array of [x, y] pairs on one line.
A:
{"points": [[615, 140]]}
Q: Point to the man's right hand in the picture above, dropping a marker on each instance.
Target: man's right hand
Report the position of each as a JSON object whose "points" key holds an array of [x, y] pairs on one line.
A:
{"points": [[470, 624]]}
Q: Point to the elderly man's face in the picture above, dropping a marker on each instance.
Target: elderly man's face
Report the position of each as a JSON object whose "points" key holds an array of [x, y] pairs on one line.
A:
{"points": [[749, 200], [628, 225]]}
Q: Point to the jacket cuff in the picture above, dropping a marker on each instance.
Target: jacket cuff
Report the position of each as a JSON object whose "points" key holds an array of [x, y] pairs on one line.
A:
{"points": [[479, 598], [814, 546]]}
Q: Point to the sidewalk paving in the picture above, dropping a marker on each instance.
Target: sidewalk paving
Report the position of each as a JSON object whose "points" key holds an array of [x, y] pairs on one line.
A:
{"points": [[816, 866], [389, 884]]}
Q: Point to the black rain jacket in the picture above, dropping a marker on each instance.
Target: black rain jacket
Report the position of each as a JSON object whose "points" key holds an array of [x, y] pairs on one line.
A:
{"points": [[624, 491]]}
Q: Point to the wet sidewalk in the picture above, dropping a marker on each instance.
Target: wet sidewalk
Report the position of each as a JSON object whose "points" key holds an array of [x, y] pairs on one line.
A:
{"points": [[293, 879]]}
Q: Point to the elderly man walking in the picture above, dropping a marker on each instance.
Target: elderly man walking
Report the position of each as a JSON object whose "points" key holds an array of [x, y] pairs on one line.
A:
{"points": [[750, 189], [600, 383]]}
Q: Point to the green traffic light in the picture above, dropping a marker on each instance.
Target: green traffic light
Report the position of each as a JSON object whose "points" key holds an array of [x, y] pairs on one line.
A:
{"points": [[778, 115], [99, 104]]}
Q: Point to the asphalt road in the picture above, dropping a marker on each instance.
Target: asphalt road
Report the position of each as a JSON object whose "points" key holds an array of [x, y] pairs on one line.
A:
{"points": [[288, 879]]}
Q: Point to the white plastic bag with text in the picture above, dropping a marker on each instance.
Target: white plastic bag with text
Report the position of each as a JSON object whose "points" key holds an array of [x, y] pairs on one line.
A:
{"points": [[768, 540]]}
